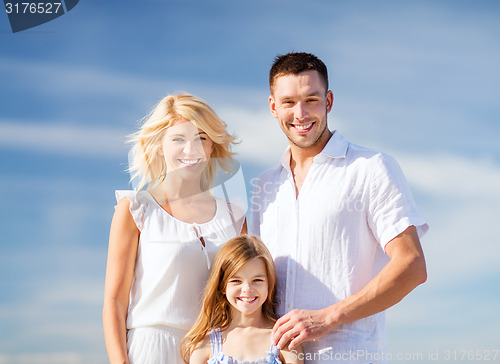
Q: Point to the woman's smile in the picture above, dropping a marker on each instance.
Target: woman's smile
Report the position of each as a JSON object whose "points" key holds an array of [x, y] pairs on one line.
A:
{"points": [[190, 162]]}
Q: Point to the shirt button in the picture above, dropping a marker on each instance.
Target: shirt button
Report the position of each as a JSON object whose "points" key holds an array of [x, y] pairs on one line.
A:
{"points": [[288, 306], [291, 272]]}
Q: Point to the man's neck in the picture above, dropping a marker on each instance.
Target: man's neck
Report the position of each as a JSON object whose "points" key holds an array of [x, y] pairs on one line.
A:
{"points": [[301, 160], [303, 157]]}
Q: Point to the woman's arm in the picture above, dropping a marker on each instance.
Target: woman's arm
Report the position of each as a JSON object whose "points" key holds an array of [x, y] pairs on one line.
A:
{"points": [[122, 251]]}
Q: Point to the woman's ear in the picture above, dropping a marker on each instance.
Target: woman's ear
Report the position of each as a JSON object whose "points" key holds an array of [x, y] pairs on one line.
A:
{"points": [[212, 149]]}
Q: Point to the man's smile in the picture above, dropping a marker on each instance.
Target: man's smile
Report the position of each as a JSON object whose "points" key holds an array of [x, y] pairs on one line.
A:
{"points": [[303, 128]]}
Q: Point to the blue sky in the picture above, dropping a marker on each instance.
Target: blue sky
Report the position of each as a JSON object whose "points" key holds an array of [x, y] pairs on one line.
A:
{"points": [[419, 80]]}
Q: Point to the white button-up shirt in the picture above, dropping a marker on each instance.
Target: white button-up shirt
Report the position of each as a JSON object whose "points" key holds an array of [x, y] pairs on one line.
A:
{"points": [[328, 243]]}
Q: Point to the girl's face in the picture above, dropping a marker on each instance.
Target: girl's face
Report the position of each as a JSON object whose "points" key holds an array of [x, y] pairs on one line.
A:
{"points": [[186, 148], [247, 289]]}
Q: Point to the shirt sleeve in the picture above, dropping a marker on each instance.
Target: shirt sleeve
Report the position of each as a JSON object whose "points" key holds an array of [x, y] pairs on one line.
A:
{"points": [[136, 208], [391, 207]]}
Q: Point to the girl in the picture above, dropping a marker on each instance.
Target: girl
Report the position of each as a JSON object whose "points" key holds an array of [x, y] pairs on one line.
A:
{"points": [[164, 237], [237, 317]]}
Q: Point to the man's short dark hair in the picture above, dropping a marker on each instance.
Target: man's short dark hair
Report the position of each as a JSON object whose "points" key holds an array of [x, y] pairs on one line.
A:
{"points": [[295, 63]]}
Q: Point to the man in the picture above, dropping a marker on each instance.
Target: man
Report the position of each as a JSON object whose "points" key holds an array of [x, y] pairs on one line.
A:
{"points": [[340, 222]]}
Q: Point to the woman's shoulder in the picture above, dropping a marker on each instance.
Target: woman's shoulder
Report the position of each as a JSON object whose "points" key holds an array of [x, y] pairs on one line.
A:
{"points": [[231, 213], [134, 202], [128, 194], [135, 197], [236, 206]]}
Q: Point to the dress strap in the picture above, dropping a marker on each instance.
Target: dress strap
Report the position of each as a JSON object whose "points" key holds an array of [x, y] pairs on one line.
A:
{"points": [[273, 355], [216, 342]]}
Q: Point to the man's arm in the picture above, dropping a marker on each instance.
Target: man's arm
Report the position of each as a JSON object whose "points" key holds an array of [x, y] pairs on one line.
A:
{"points": [[405, 271]]}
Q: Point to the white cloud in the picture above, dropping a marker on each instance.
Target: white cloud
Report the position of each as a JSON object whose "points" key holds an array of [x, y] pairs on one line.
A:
{"points": [[43, 358], [245, 118], [52, 358], [453, 175], [63, 138], [262, 140], [461, 202], [67, 79], [450, 59], [455, 308], [129, 87]]}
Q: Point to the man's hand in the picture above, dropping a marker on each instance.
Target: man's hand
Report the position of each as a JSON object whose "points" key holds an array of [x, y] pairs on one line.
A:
{"points": [[405, 271], [298, 326]]}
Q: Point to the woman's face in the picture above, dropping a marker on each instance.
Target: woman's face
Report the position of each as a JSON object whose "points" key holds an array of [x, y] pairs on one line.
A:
{"points": [[186, 149]]}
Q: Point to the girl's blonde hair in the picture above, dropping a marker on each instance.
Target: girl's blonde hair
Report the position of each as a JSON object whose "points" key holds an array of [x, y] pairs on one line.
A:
{"points": [[149, 166], [216, 310]]}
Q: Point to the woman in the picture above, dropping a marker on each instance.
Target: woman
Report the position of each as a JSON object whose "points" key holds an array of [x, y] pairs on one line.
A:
{"points": [[164, 237]]}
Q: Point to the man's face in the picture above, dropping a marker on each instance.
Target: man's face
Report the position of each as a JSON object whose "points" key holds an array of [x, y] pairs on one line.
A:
{"points": [[301, 103]]}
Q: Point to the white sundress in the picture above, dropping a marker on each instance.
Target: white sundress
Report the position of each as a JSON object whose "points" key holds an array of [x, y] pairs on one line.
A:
{"points": [[171, 271]]}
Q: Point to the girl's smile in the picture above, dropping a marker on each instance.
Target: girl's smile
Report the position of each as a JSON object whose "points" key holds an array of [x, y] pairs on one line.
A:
{"points": [[247, 290]]}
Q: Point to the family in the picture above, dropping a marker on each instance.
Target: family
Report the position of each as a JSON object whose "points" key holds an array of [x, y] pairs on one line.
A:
{"points": [[331, 242]]}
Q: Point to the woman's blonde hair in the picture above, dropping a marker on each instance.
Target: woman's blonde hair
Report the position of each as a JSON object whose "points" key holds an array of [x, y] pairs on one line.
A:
{"points": [[216, 310], [149, 166]]}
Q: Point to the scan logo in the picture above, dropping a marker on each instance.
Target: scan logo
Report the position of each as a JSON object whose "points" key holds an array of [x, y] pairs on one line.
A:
{"points": [[26, 14]]}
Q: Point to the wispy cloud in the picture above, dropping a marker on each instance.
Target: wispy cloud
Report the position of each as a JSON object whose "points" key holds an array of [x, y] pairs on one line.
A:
{"points": [[452, 175], [262, 141], [417, 80], [460, 199], [42, 358], [64, 138], [52, 358], [60, 79]]}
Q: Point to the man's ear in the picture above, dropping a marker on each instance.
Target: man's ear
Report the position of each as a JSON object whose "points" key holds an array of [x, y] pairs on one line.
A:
{"points": [[329, 101], [272, 106]]}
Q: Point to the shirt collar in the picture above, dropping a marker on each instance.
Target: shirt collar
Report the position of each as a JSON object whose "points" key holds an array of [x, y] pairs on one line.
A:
{"points": [[335, 148]]}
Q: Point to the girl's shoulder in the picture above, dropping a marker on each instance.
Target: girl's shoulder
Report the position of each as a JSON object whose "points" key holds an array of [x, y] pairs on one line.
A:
{"points": [[295, 356], [202, 352]]}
